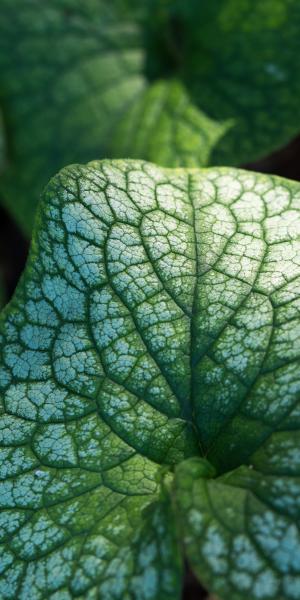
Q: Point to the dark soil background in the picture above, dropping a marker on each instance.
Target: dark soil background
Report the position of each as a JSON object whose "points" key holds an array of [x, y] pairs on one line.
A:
{"points": [[14, 249]]}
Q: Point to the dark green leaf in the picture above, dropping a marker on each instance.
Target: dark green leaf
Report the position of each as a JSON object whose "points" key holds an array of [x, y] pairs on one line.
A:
{"points": [[180, 83]]}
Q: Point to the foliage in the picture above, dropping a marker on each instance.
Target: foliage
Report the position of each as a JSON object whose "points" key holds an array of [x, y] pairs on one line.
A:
{"points": [[178, 83], [150, 389]]}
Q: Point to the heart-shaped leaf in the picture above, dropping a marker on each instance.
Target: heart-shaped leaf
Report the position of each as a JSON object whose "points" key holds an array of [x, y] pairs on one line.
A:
{"points": [[154, 330], [179, 83]]}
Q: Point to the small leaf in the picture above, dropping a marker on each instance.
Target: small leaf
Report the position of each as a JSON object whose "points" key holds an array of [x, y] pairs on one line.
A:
{"points": [[154, 329], [166, 127], [241, 532]]}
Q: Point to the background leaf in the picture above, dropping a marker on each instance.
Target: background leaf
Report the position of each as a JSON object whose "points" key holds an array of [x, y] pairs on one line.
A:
{"points": [[185, 84]]}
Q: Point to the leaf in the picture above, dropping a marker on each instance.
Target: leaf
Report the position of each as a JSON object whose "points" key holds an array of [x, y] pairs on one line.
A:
{"points": [[181, 83], [166, 127], [154, 330], [2, 294], [241, 531]]}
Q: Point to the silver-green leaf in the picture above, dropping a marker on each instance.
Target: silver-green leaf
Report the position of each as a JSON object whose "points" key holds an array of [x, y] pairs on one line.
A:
{"points": [[154, 331]]}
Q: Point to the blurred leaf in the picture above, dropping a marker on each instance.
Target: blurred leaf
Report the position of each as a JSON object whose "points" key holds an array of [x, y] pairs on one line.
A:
{"points": [[181, 83]]}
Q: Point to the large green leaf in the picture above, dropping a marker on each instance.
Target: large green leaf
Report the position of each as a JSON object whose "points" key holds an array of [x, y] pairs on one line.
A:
{"points": [[179, 83], [154, 329]]}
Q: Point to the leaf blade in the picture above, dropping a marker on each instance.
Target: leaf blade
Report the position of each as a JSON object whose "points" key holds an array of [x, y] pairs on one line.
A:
{"points": [[99, 384]]}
